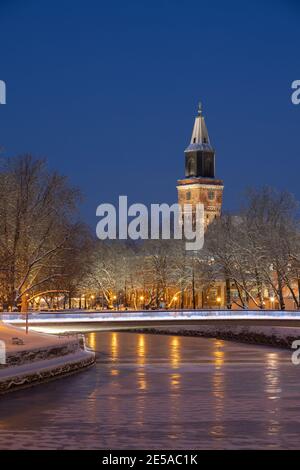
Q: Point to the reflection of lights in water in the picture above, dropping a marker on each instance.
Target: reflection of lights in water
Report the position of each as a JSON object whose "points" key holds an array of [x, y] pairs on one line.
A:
{"points": [[175, 381], [114, 346], [92, 340], [175, 351], [141, 349], [218, 386], [273, 391], [141, 380], [218, 354], [218, 391], [141, 356], [114, 372], [175, 385], [219, 359]]}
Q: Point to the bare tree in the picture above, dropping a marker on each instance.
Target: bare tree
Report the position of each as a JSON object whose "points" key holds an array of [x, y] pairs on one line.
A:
{"points": [[37, 209]]}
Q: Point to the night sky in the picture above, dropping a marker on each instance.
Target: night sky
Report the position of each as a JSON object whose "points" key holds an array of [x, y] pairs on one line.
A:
{"points": [[108, 92]]}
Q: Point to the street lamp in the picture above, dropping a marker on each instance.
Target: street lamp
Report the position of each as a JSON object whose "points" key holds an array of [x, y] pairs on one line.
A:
{"points": [[142, 298], [219, 302], [272, 300]]}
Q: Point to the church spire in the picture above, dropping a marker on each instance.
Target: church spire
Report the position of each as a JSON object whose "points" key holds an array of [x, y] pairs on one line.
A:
{"points": [[200, 156], [200, 138], [200, 184]]}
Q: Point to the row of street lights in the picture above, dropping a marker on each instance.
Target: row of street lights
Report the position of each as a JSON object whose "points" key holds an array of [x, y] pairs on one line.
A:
{"points": [[173, 301]]}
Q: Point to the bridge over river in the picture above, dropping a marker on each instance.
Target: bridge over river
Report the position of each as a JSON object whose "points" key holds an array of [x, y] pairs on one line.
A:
{"points": [[87, 321]]}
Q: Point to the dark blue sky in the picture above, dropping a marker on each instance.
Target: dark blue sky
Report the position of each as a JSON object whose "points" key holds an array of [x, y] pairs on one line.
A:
{"points": [[108, 91]]}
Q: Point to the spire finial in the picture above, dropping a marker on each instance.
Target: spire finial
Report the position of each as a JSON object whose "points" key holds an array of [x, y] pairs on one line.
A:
{"points": [[200, 108]]}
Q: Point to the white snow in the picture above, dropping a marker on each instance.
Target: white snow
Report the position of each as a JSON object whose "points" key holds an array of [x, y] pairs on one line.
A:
{"points": [[35, 342]]}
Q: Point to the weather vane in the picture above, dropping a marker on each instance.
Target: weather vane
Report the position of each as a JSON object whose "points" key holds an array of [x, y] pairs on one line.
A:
{"points": [[200, 108]]}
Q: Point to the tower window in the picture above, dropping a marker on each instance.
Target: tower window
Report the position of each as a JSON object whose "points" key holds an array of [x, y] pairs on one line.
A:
{"points": [[191, 167], [194, 140], [211, 195], [208, 161], [188, 196]]}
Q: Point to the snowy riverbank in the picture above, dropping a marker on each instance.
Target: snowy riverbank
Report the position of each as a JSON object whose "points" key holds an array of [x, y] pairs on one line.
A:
{"points": [[35, 358]]}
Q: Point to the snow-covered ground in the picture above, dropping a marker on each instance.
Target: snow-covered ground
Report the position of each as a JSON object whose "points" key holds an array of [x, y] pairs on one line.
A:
{"points": [[35, 357], [31, 341]]}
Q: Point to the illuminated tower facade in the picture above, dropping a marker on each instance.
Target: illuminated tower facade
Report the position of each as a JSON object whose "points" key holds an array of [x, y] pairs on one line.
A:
{"points": [[200, 183]]}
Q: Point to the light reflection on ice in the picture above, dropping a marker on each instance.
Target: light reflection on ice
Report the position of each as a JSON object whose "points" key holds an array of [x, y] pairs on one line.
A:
{"points": [[156, 392]]}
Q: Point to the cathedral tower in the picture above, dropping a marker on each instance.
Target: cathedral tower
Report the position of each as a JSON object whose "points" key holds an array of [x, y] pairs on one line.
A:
{"points": [[200, 184]]}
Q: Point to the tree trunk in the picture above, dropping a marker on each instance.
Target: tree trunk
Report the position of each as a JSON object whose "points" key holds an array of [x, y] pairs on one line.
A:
{"points": [[259, 290], [24, 304], [228, 294], [280, 292], [182, 298], [193, 291]]}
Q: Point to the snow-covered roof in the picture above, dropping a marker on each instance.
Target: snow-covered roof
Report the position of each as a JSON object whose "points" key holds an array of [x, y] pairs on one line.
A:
{"points": [[200, 138]]}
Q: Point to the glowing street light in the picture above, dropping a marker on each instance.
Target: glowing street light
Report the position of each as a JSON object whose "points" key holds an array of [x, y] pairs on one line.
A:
{"points": [[142, 300]]}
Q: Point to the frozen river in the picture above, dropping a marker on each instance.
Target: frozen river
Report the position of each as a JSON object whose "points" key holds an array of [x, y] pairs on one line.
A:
{"points": [[155, 392]]}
